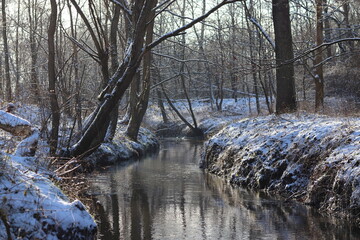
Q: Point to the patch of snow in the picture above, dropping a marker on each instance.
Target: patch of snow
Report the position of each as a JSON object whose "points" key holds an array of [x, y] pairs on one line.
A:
{"points": [[12, 120], [122, 148], [36, 208]]}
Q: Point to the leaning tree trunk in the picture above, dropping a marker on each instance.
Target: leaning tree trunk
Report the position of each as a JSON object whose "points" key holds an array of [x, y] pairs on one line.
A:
{"points": [[95, 131], [285, 81]]}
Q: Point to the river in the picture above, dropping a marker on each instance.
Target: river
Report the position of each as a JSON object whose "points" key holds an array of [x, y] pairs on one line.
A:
{"points": [[166, 196]]}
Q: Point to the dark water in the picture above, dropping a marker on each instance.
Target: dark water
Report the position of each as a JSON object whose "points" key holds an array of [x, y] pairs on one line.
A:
{"points": [[166, 196]]}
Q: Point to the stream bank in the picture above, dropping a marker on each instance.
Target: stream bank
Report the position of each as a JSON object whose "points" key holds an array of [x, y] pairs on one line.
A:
{"points": [[38, 204], [121, 148], [309, 158]]}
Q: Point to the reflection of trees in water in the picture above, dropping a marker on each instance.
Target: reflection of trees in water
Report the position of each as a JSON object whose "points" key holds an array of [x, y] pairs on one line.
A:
{"points": [[143, 198], [115, 209], [141, 222], [266, 215], [104, 225]]}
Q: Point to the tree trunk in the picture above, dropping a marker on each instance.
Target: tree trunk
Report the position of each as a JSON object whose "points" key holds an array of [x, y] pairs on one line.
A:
{"points": [[327, 28], [348, 31], [252, 58], [8, 94], [114, 115], [95, 131], [161, 103], [285, 82], [55, 111], [137, 115], [209, 76], [233, 76], [75, 63], [319, 76], [34, 56], [17, 58]]}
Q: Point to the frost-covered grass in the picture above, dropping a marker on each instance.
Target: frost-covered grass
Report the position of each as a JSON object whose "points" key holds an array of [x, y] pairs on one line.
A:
{"points": [[308, 157]]}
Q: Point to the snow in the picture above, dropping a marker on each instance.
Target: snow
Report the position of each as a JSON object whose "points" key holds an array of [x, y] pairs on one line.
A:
{"points": [[28, 146], [308, 157], [209, 119], [12, 120], [36, 208], [33, 206], [122, 148]]}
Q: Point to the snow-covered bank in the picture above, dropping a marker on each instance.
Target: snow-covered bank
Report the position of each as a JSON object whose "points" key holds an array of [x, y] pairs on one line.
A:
{"points": [[310, 158], [32, 207], [122, 148], [209, 119]]}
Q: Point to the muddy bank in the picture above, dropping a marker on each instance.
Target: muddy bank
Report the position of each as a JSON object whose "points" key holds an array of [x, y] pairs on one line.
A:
{"points": [[309, 158]]}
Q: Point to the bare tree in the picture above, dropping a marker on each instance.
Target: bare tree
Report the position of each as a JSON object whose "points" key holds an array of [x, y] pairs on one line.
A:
{"points": [[141, 10]]}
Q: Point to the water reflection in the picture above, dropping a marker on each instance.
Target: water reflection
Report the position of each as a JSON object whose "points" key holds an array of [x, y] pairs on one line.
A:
{"points": [[167, 196]]}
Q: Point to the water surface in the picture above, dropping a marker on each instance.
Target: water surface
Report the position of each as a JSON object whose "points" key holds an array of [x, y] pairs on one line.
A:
{"points": [[166, 196]]}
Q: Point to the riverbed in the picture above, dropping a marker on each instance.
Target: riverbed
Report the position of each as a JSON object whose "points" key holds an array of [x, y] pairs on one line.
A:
{"points": [[166, 196]]}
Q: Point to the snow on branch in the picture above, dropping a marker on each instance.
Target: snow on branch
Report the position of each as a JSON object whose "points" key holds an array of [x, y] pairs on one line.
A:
{"points": [[123, 6], [258, 26], [262, 30], [14, 124], [323, 45], [20, 127], [28, 146]]}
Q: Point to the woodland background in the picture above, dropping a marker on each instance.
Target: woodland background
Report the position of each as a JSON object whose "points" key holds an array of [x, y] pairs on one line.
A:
{"points": [[61, 54]]}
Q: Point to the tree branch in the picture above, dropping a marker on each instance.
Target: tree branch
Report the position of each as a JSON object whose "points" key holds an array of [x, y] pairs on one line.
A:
{"points": [[327, 44], [189, 25], [123, 7]]}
